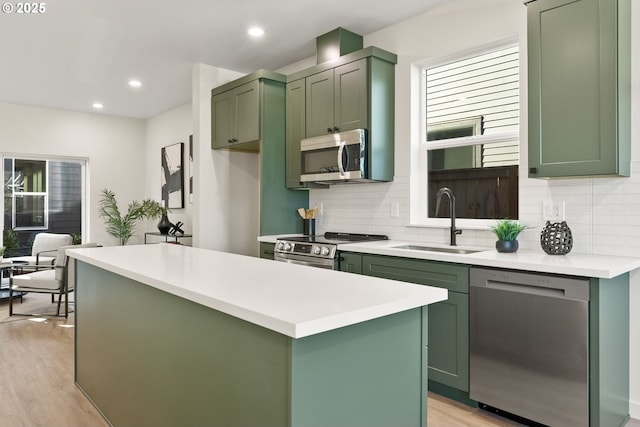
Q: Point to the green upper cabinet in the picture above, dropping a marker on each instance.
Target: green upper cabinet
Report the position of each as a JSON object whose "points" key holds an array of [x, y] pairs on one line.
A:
{"points": [[355, 91], [337, 99], [579, 88], [235, 117]]}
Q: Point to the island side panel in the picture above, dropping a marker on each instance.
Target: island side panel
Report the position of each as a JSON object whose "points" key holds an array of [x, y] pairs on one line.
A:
{"points": [[369, 374], [148, 358]]}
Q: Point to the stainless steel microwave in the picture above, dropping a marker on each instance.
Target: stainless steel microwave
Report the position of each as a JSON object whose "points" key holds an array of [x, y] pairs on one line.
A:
{"points": [[334, 158]]}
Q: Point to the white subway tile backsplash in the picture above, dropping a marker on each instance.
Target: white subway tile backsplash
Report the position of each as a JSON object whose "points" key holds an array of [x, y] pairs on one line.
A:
{"points": [[603, 213]]}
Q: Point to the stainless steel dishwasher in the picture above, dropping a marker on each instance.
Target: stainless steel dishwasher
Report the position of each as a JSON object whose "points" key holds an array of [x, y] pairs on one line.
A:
{"points": [[529, 345]]}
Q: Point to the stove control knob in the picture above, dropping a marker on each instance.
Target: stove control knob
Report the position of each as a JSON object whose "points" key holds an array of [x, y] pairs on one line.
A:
{"points": [[325, 251], [287, 246], [280, 245], [316, 250]]}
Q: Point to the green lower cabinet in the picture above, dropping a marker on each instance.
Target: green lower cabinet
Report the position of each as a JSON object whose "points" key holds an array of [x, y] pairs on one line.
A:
{"points": [[350, 262], [448, 320], [267, 250], [449, 341]]}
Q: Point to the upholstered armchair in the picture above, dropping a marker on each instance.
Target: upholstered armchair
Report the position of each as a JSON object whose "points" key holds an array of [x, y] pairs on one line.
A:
{"points": [[43, 251], [51, 279]]}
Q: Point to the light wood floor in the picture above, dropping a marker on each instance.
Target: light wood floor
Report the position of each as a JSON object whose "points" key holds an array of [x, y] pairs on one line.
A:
{"points": [[37, 384]]}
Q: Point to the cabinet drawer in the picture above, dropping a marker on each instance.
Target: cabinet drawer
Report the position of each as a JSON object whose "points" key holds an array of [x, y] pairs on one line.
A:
{"points": [[454, 277]]}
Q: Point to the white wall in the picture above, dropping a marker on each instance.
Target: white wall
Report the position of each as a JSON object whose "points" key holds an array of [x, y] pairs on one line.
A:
{"points": [[166, 129], [112, 145], [603, 213]]}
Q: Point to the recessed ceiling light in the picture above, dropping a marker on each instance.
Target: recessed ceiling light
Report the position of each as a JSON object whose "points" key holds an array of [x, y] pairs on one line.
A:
{"points": [[256, 32], [98, 105], [135, 83]]}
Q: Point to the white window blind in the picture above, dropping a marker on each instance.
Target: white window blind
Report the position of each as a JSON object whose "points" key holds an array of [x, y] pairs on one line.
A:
{"points": [[484, 86]]}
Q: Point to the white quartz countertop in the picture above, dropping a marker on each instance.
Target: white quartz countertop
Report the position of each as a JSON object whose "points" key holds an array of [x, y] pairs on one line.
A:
{"points": [[599, 266], [294, 300]]}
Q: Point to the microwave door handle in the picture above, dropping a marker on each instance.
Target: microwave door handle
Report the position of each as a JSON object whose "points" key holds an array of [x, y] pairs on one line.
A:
{"points": [[340, 155]]}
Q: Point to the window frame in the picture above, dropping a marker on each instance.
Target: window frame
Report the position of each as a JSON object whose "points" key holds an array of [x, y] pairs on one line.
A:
{"points": [[44, 194], [84, 178], [419, 176]]}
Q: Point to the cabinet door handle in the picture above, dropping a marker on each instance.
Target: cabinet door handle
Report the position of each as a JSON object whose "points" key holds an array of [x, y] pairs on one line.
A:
{"points": [[329, 130], [336, 129]]}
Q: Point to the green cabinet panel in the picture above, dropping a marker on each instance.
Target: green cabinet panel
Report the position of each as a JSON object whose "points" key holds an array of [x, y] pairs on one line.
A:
{"points": [[454, 277], [319, 104], [350, 262], [351, 96], [278, 204], [609, 351], [295, 119], [267, 250], [448, 320], [449, 341], [235, 117], [183, 364], [579, 92]]}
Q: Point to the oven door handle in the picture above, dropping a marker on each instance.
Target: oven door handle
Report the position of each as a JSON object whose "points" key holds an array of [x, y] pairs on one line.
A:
{"points": [[340, 156]]}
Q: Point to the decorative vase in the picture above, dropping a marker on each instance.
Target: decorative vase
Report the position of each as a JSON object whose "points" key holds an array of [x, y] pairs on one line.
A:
{"points": [[556, 238], [507, 246], [164, 225]]}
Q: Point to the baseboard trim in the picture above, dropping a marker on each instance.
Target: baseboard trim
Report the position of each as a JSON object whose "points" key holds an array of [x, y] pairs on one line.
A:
{"points": [[634, 410]]}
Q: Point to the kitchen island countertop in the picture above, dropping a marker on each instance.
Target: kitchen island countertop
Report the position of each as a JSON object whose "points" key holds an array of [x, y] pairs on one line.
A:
{"points": [[290, 299]]}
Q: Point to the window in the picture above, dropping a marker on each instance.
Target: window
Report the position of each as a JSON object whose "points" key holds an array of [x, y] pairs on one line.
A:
{"points": [[472, 133], [26, 197], [41, 195]]}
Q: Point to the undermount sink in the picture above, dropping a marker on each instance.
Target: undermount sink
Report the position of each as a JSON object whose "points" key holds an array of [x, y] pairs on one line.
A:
{"points": [[449, 250]]}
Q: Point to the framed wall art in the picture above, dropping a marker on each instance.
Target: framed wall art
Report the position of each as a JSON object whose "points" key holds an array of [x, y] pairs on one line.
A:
{"points": [[172, 178]]}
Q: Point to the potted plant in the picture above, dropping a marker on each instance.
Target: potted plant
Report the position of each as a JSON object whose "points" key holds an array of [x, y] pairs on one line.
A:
{"points": [[507, 232], [123, 227]]}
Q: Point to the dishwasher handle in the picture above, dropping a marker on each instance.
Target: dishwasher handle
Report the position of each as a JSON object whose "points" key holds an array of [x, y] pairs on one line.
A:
{"points": [[531, 283]]}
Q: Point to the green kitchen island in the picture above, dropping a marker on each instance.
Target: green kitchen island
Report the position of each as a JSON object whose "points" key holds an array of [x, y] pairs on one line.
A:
{"points": [[168, 335]]}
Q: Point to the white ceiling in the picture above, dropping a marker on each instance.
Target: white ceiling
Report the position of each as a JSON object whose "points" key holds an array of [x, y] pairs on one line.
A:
{"points": [[81, 51]]}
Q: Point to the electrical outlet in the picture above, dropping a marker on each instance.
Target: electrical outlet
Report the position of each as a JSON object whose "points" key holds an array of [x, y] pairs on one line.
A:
{"points": [[552, 211], [394, 210]]}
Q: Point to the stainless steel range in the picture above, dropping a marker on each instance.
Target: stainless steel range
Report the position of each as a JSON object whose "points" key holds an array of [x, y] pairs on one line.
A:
{"points": [[318, 251]]}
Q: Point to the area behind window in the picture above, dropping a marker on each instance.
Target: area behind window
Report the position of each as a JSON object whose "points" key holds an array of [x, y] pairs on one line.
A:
{"points": [[472, 134]]}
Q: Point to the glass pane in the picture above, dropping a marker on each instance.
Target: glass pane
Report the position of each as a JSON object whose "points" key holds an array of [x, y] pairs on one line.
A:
{"points": [[31, 176], [466, 98], [30, 211]]}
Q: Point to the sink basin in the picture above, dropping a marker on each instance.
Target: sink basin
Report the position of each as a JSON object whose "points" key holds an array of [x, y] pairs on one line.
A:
{"points": [[449, 249]]}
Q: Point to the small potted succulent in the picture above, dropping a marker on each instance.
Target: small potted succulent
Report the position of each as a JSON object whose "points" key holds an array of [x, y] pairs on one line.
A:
{"points": [[507, 232]]}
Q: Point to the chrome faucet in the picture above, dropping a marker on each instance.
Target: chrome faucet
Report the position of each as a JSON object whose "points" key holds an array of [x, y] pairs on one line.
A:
{"points": [[452, 212]]}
